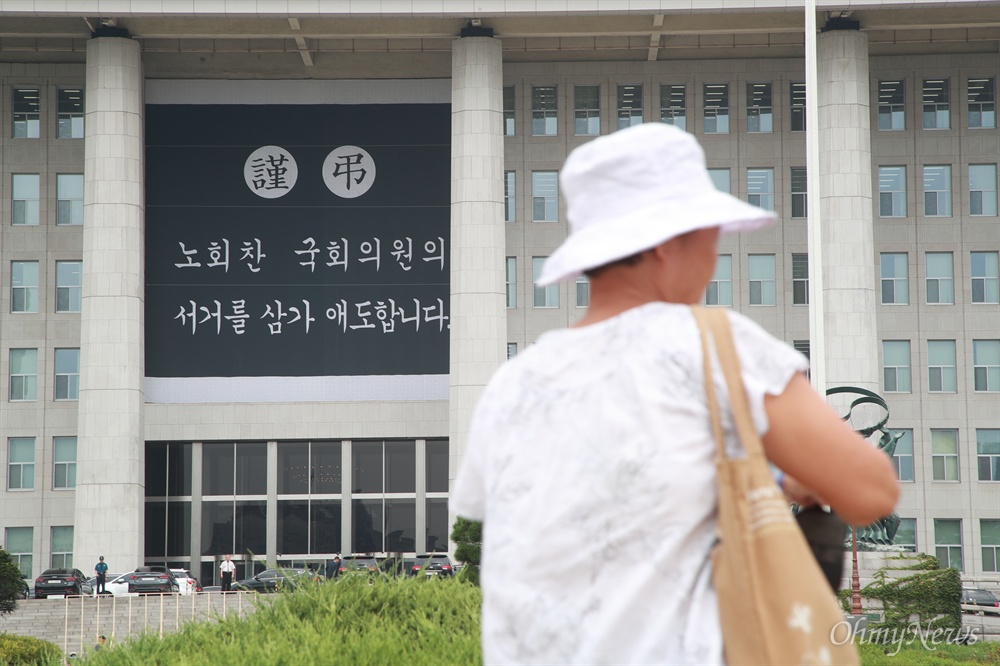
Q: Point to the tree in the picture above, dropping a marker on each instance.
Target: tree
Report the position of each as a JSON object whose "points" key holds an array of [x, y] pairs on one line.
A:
{"points": [[10, 583], [468, 538]]}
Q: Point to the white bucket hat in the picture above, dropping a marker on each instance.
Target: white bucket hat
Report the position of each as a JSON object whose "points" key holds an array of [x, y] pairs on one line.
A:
{"points": [[635, 189]]}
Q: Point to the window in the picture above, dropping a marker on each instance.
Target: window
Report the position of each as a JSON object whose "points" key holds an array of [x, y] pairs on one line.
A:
{"points": [[25, 189], [799, 184], [797, 95], [892, 191], [511, 282], [64, 465], [17, 542], [721, 180], [545, 297], [982, 100], [509, 197], [985, 285], [982, 189], [587, 105], [989, 536], [800, 279], [508, 110], [906, 534], [23, 374], [69, 195], [760, 188], [802, 347], [890, 105], [895, 284], [716, 108], [760, 111], [673, 105], [986, 365], [937, 191], [511, 350], [70, 123], [544, 118], [21, 463], [720, 288], [896, 366], [761, 279], [544, 196], [937, 111], [69, 286], [988, 452], [27, 113], [902, 457], [941, 366], [62, 547], [24, 286], [67, 374], [948, 543], [944, 455], [629, 106], [582, 292], [940, 280]]}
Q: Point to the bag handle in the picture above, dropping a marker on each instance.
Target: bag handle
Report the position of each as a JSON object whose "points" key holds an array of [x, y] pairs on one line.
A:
{"points": [[715, 324]]}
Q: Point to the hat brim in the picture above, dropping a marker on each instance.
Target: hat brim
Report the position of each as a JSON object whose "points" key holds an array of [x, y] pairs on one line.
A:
{"points": [[638, 230]]}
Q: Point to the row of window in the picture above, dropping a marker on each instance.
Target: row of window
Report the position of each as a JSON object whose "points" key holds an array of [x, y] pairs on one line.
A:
{"points": [[18, 542], [939, 280], [941, 366], [21, 457], [945, 453], [948, 541], [26, 113], [673, 98], [760, 185], [24, 286], [26, 199], [24, 374]]}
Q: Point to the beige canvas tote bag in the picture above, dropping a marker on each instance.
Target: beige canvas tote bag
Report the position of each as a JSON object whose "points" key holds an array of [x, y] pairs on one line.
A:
{"points": [[775, 606]]}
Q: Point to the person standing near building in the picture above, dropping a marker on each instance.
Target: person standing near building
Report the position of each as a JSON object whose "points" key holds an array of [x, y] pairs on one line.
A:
{"points": [[590, 456], [226, 569], [101, 571]]}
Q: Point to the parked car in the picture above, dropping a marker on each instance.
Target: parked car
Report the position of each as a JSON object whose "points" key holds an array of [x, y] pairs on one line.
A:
{"points": [[186, 582], [272, 580], [62, 583], [146, 579], [25, 589], [979, 601], [116, 584], [432, 564], [350, 564]]}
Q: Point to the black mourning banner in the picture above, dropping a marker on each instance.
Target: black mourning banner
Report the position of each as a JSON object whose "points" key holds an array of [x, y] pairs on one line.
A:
{"points": [[297, 240]]}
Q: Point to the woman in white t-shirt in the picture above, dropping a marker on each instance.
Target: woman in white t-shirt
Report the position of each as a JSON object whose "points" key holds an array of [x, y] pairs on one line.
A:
{"points": [[590, 456]]}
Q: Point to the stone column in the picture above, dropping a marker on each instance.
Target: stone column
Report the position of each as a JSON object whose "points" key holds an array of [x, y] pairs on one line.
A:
{"points": [[110, 445], [478, 308], [845, 158]]}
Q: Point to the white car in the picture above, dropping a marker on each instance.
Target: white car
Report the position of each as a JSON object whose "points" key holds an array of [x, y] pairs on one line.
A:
{"points": [[185, 583], [116, 585]]}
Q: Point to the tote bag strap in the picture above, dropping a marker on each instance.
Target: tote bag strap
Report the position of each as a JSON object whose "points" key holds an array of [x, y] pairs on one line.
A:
{"points": [[701, 317], [717, 324]]}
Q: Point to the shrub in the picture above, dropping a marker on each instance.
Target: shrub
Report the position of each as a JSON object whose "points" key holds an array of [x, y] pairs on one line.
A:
{"points": [[10, 583], [24, 650], [468, 538]]}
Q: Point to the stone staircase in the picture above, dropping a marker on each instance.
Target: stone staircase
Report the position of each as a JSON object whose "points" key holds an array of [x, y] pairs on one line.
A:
{"points": [[75, 624]]}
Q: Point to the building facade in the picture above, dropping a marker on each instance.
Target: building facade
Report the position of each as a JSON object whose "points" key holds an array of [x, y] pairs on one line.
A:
{"points": [[256, 264]]}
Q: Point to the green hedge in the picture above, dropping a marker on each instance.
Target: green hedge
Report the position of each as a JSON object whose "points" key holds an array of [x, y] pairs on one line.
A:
{"points": [[24, 650]]}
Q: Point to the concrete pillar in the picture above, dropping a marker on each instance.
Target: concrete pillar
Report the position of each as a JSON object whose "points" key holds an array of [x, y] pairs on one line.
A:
{"points": [[846, 209], [110, 453], [478, 308]]}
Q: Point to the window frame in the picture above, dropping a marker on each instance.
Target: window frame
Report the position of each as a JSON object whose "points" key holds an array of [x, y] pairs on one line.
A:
{"points": [[763, 282], [987, 204], [28, 213], [544, 121], [719, 112], [72, 204], [510, 270], [719, 281], [896, 197], [800, 283], [762, 113], [991, 370], [510, 196], [942, 368], [989, 100], [66, 117], [988, 452], [26, 468], [990, 284], [893, 111], [509, 103], [65, 560], [944, 284], [990, 547], [548, 296], [945, 464], [583, 116], [943, 103], [895, 281], [29, 293], [549, 203], [670, 112], [28, 381], [904, 461], [937, 194], [898, 370], [62, 465], [72, 379], [627, 112], [950, 547], [20, 556], [582, 290], [799, 185], [72, 294], [31, 114], [765, 198]]}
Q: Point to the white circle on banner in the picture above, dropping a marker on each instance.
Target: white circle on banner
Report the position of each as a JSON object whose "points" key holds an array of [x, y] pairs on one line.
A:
{"points": [[270, 172], [349, 171]]}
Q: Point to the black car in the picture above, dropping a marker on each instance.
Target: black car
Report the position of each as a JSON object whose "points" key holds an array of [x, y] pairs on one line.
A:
{"points": [[25, 591], [977, 600], [432, 565], [145, 580], [351, 564], [272, 580], [62, 582]]}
